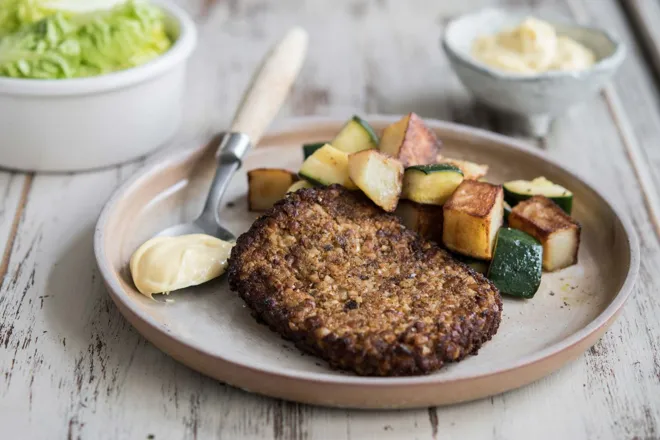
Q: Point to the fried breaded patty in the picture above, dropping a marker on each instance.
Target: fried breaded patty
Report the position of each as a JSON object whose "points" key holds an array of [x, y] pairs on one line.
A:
{"points": [[330, 271]]}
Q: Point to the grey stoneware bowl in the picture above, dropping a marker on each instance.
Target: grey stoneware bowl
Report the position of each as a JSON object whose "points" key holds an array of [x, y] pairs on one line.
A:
{"points": [[537, 98]]}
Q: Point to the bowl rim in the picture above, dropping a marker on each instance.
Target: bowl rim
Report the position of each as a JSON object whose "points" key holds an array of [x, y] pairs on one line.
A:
{"points": [[179, 52], [608, 64]]}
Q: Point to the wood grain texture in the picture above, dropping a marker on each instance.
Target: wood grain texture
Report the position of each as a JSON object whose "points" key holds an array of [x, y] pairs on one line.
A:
{"points": [[71, 367], [644, 16], [270, 85], [16, 189], [629, 102]]}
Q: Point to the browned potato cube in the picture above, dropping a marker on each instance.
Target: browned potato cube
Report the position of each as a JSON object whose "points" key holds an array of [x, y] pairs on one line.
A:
{"points": [[544, 220], [267, 186], [378, 175], [472, 217], [410, 141], [426, 220]]}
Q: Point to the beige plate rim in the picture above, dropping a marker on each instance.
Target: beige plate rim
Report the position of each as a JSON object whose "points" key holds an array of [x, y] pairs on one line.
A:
{"points": [[295, 124]]}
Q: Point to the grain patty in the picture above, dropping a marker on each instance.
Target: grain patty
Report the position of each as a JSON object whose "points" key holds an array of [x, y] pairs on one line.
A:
{"points": [[331, 272]]}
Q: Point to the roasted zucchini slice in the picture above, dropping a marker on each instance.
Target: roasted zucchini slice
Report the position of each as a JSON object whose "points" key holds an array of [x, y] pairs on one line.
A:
{"points": [[356, 135], [544, 220], [410, 141], [326, 166], [516, 267], [378, 175], [267, 186], [518, 190], [309, 149], [472, 217], [431, 184], [470, 170]]}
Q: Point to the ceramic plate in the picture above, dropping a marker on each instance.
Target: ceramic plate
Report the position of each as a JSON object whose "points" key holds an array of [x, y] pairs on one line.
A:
{"points": [[211, 330]]}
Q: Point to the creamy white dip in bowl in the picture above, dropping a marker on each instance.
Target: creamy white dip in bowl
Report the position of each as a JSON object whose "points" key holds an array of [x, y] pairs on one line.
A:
{"points": [[539, 97]]}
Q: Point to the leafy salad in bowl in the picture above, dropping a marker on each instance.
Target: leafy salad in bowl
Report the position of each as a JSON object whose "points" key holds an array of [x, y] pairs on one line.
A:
{"points": [[56, 39], [86, 84]]}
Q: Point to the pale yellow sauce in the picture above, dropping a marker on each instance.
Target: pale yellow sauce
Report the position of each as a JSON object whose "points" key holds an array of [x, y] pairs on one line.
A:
{"points": [[164, 264], [532, 47]]}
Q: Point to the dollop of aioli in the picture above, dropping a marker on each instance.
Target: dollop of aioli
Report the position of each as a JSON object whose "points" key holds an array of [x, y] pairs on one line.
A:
{"points": [[530, 48], [164, 264]]}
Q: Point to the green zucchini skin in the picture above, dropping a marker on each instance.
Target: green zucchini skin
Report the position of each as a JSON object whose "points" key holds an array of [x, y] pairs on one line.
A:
{"points": [[355, 136], [517, 264], [311, 180], [435, 168], [326, 166], [430, 184], [368, 128], [565, 203], [309, 149], [536, 188]]}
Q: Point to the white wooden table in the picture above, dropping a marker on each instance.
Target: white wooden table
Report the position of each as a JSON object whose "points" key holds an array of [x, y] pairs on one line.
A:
{"points": [[72, 367]]}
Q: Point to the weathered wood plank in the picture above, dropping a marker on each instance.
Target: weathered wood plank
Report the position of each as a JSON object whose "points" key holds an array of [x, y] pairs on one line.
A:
{"points": [[14, 188], [56, 306], [634, 101], [644, 16], [609, 386]]}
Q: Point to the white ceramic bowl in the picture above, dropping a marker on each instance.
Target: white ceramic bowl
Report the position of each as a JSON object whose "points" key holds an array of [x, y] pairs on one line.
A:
{"points": [[540, 97], [86, 123]]}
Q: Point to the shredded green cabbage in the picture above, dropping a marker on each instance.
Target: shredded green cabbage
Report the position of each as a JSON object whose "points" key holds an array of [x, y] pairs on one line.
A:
{"points": [[39, 41]]}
